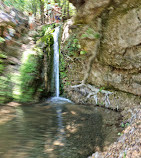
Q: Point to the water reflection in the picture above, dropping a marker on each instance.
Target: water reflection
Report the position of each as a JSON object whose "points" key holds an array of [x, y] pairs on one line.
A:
{"points": [[57, 131]]}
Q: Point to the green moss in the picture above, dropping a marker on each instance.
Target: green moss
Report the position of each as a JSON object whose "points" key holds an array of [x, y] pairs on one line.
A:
{"points": [[1, 68], [2, 65], [29, 78], [2, 55], [63, 73], [29, 83], [5, 88]]}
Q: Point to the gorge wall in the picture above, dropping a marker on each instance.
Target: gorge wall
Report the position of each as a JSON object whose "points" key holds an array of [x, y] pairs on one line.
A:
{"points": [[106, 69]]}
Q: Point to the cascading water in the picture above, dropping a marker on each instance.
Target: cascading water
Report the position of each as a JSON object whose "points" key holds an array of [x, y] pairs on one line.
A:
{"points": [[56, 61], [57, 99], [56, 69]]}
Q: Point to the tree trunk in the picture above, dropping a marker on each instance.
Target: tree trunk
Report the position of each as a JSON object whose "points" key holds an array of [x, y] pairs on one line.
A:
{"points": [[68, 12], [34, 8], [64, 8], [42, 12]]}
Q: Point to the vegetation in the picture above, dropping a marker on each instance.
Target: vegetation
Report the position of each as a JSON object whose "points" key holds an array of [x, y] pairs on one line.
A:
{"points": [[46, 33], [91, 34], [32, 82], [73, 47], [2, 40], [30, 75], [5, 88], [39, 7]]}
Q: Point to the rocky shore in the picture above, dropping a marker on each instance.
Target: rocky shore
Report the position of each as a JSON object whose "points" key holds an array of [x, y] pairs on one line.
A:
{"points": [[128, 144]]}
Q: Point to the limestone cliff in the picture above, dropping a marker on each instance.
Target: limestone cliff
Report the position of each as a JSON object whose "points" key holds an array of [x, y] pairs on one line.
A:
{"points": [[110, 34]]}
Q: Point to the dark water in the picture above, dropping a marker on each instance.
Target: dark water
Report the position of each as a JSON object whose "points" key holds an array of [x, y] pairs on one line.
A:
{"points": [[58, 131]]}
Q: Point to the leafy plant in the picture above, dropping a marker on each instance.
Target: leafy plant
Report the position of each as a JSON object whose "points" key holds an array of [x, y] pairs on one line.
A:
{"points": [[102, 88], [124, 155], [5, 88], [82, 52], [119, 134], [2, 55], [72, 47], [2, 40], [1, 68], [47, 36], [90, 33], [123, 125]]}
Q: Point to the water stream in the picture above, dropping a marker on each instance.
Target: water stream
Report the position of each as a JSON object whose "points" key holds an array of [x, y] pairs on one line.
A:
{"points": [[56, 60]]}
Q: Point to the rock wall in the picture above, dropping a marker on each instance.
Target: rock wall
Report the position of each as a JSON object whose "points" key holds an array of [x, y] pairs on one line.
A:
{"points": [[113, 59], [10, 53]]}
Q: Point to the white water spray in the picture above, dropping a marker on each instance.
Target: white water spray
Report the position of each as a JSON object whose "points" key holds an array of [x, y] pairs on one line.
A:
{"points": [[56, 60]]}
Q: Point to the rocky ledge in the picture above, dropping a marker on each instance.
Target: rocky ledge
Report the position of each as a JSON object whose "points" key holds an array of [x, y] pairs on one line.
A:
{"points": [[128, 144]]}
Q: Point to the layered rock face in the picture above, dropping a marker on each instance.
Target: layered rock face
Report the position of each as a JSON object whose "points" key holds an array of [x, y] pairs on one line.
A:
{"points": [[113, 60], [10, 54]]}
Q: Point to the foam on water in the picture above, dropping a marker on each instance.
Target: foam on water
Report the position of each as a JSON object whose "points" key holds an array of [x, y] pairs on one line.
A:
{"points": [[59, 100]]}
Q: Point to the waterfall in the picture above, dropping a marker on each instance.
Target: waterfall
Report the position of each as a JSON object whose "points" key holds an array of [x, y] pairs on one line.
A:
{"points": [[57, 99], [56, 60]]}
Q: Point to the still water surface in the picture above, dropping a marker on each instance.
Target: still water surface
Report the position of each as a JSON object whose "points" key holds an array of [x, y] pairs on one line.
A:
{"points": [[58, 131]]}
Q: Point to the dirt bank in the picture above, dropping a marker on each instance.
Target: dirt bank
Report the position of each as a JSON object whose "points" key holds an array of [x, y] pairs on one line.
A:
{"points": [[129, 143]]}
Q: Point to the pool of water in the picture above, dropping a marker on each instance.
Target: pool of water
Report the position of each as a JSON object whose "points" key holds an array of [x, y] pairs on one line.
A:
{"points": [[58, 131]]}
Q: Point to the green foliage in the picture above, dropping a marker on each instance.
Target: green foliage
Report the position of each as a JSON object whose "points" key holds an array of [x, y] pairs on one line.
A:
{"points": [[47, 36], [1, 61], [2, 65], [2, 55], [63, 73], [29, 73], [34, 6], [90, 33], [83, 52], [2, 40], [5, 81], [72, 46], [47, 29], [62, 63], [1, 68], [67, 83], [124, 155], [123, 125], [120, 134], [24, 5], [5, 88], [102, 88]]}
